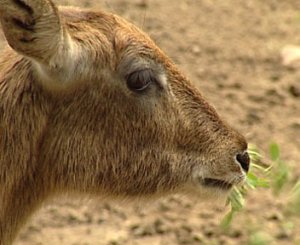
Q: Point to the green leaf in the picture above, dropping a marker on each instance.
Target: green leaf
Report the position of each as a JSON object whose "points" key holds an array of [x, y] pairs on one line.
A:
{"points": [[274, 152], [261, 168], [236, 200], [227, 220], [254, 182], [296, 188], [294, 205], [251, 180], [264, 183], [255, 156], [280, 177]]}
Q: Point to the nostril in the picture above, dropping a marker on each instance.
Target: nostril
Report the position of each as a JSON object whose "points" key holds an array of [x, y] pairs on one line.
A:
{"points": [[244, 160]]}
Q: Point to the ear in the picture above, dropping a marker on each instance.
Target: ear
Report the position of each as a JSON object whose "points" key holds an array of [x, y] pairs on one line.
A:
{"points": [[33, 28]]}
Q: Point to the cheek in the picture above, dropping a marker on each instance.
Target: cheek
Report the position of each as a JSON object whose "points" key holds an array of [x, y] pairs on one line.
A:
{"points": [[227, 170], [140, 120]]}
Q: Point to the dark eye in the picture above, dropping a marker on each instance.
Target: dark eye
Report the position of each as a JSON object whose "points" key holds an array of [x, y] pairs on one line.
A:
{"points": [[140, 80]]}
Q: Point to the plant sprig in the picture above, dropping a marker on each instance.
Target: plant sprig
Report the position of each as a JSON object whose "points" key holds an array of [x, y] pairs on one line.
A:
{"points": [[275, 176], [236, 198]]}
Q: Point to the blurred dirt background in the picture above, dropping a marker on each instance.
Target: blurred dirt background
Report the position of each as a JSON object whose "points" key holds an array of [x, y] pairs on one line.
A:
{"points": [[232, 50]]}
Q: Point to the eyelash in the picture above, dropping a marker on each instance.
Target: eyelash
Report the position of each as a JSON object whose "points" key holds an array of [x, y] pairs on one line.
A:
{"points": [[139, 81]]}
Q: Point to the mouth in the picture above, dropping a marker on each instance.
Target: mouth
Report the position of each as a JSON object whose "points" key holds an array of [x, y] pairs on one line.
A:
{"points": [[216, 183]]}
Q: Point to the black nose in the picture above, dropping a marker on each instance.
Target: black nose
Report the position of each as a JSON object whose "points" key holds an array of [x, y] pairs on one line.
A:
{"points": [[244, 160]]}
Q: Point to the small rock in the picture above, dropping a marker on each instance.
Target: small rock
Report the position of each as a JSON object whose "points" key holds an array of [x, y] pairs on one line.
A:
{"points": [[209, 232], [274, 93], [295, 124], [187, 228], [275, 216], [294, 90], [275, 77], [282, 235], [290, 55], [257, 98], [231, 95], [141, 3], [184, 236], [160, 226], [198, 236], [141, 231], [234, 233], [163, 207], [196, 49], [286, 231], [114, 243], [253, 117]]}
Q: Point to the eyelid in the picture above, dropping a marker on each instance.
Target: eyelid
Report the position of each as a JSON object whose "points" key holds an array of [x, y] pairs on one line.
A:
{"points": [[144, 74], [130, 65], [143, 78], [139, 71]]}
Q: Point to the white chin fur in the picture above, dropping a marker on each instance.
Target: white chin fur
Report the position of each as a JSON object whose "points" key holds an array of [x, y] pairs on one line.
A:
{"points": [[209, 194]]}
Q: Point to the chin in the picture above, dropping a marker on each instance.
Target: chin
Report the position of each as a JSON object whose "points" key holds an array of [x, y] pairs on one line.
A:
{"points": [[208, 193]]}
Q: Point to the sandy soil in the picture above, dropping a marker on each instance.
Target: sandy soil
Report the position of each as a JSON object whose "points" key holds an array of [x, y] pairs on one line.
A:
{"points": [[231, 50]]}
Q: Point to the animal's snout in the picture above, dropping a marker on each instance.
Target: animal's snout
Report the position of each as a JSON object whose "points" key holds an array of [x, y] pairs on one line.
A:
{"points": [[244, 160]]}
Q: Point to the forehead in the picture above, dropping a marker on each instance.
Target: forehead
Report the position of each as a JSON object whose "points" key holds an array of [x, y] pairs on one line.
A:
{"points": [[121, 33]]}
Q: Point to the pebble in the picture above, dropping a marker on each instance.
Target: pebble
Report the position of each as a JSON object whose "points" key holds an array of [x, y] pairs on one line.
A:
{"points": [[198, 236], [142, 3], [235, 233], [160, 226], [253, 117], [290, 55], [196, 49], [275, 216], [295, 90], [295, 124]]}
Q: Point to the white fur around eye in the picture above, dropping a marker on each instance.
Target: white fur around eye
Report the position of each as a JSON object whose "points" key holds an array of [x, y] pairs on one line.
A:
{"points": [[163, 80]]}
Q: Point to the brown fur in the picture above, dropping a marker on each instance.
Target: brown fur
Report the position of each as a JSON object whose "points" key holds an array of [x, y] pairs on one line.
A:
{"points": [[69, 124]]}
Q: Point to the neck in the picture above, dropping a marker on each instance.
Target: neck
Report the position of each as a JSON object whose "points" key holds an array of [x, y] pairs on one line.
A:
{"points": [[17, 204]]}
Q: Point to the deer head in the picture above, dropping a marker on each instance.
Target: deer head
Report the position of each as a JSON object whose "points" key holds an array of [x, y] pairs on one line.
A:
{"points": [[90, 104]]}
